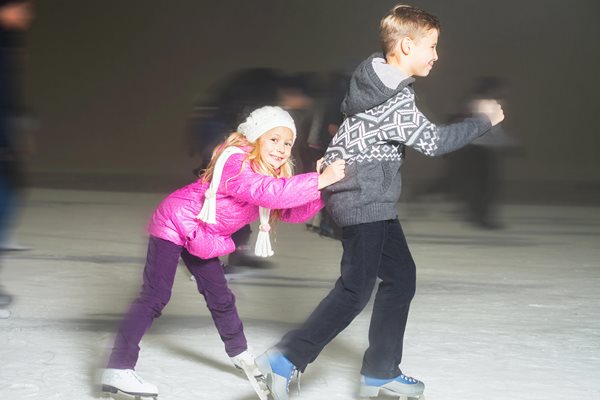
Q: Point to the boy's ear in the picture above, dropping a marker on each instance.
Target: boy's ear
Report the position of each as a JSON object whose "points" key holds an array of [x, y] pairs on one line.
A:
{"points": [[405, 45]]}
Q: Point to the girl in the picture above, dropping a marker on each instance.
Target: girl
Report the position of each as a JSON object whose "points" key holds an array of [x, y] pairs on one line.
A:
{"points": [[249, 174]]}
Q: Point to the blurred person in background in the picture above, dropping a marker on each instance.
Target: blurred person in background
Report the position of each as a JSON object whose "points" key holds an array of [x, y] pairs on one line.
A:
{"points": [[476, 168], [472, 174], [15, 18]]}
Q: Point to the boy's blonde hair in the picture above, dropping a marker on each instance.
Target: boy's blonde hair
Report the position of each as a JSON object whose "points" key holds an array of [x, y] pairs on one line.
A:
{"points": [[256, 163], [405, 21]]}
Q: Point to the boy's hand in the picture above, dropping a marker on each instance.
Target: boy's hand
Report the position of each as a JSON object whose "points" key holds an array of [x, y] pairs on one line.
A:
{"points": [[16, 16], [491, 108], [333, 173]]}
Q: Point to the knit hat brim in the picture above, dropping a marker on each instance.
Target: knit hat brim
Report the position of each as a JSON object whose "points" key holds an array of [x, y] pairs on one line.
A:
{"points": [[263, 120]]}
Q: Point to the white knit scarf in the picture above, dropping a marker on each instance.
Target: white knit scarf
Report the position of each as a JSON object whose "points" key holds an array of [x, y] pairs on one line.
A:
{"points": [[209, 208]]}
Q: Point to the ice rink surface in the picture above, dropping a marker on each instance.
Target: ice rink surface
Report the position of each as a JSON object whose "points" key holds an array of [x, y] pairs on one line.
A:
{"points": [[507, 314]]}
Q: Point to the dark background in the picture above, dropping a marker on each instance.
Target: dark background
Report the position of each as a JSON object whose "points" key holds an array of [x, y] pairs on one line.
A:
{"points": [[112, 82]]}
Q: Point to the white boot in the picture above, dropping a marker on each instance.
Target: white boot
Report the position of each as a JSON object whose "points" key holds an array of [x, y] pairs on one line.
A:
{"points": [[126, 381], [245, 362]]}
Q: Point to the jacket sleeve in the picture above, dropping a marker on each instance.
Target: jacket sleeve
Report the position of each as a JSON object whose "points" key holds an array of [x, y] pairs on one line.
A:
{"points": [[413, 129], [241, 182], [302, 213]]}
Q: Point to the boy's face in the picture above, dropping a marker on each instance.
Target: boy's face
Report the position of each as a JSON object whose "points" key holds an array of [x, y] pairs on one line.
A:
{"points": [[276, 146], [416, 57], [424, 53]]}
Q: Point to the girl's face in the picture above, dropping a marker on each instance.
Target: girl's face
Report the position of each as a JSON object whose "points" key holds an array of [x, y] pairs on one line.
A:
{"points": [[276, 146]]}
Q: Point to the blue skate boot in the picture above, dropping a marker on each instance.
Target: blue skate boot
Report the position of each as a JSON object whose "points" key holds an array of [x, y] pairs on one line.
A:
{"points": [[278, 372], [401, 385]]}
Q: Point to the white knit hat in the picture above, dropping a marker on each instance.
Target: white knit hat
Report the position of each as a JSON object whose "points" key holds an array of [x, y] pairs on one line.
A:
{"points": [[264, 119]]}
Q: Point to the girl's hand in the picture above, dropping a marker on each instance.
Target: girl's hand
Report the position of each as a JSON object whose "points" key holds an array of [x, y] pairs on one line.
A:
{"points": [[319, 164], [333, 173]]}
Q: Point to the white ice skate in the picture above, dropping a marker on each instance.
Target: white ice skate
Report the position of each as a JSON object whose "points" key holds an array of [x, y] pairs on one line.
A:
{"points": [[245, 362], [127, 382], [402, 386]]}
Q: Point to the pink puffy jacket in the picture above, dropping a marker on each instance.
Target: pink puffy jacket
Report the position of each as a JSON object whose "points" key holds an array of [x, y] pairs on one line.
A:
{"points": [[240, 193]]}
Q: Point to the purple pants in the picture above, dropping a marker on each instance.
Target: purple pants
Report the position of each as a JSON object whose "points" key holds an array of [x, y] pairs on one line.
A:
{"points": [[159, 274]]}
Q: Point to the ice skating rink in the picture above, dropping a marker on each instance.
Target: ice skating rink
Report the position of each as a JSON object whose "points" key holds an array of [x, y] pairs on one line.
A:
{"points": [[507, 314]]}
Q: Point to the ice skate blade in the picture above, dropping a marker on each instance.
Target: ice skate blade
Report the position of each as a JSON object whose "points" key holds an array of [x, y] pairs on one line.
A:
{"points": [[390, 396], [117, 394], [370, 392], [258, 382]]}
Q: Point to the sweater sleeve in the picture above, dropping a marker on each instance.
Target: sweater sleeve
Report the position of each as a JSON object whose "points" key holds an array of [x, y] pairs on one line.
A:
{"points": [[412, 128], [241, 182], [302, 213]]}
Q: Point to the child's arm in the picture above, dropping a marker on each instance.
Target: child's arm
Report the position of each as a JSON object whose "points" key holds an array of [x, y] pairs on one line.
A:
{"points": [[415, 130], [303, 213], [331, 174], [266, 191], [437, 140]]}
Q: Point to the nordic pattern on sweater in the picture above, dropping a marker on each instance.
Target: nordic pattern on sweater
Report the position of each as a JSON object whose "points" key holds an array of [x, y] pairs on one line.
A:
{"points": [[380, 132]]}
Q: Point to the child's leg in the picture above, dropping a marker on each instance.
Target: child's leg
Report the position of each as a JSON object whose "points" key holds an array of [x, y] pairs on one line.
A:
{"points": [[241, 238], [390, 310], [159, 273], [212, 284], [363, 245]]}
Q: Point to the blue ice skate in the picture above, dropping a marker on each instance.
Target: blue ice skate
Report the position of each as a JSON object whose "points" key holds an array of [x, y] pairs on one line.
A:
{"points": [[278, 372], [401, 385]]}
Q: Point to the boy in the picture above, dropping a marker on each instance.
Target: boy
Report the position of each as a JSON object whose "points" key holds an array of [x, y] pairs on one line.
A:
{"points": [[381, 118]]}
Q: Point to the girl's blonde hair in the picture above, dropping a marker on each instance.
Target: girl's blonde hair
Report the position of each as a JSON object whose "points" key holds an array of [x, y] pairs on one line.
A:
{"points": [[256, 163]]}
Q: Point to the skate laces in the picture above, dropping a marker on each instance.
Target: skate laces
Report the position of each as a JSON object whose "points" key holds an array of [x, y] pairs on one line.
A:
{"points": [[290, 377], [293, 371], [408, 378], [284, 368], [298, 374], [404, 379]]}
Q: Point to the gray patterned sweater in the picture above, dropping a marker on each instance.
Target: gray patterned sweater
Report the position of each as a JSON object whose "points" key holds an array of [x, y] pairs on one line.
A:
{"points": [[382, 118]]}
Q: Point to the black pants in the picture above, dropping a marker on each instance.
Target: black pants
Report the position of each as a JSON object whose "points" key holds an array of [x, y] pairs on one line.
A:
{"points": [[477, 178], [373, 250]]}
